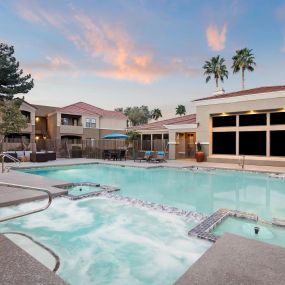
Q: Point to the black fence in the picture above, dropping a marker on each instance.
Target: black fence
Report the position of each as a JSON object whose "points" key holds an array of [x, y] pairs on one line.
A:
{"points": [[91, 148]]}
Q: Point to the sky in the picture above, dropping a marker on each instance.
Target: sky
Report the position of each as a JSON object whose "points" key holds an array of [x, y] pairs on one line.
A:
{"points": [[119, 53]]}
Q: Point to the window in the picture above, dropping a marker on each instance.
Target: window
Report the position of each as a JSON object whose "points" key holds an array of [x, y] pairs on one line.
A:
{"points": [[252, 143], [252, 120], [277, 142], [224, 143], [91, 123], [277, 118], [224, 121]]}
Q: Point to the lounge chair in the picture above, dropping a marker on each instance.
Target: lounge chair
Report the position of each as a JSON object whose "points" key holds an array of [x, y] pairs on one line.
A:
{"points": [[149, 155], [160, 156]]}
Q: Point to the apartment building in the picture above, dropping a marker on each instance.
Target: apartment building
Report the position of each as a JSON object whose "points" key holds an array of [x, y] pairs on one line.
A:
{"points": [[71, 123]]}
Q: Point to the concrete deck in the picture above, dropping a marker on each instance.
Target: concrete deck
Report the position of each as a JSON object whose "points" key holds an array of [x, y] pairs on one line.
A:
{"points": [[12, 196], [18, 267], [235, 260]]}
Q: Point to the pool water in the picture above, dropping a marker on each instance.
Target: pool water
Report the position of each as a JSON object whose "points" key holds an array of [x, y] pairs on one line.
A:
{"points": [[200, 191], [103, 241], [267, 233], [79, 190]]}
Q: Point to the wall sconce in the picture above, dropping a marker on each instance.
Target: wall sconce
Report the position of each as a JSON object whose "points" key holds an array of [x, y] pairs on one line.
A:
{"points": [[37, 119]]}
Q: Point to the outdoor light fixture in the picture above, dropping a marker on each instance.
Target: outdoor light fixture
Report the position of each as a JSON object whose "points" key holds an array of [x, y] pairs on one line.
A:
{"points": [[37, 138], [37, 119]]}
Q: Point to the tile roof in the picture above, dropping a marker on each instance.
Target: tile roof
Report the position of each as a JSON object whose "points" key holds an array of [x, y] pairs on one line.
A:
{"points": [[87, 109], [188, 119], [266, 89], [43, 111]]}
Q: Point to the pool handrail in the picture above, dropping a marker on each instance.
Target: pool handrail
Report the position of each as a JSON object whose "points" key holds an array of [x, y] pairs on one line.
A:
{"points": [[8, 218], [12, 158]]}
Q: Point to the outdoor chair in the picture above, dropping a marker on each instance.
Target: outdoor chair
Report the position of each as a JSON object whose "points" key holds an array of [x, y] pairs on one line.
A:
{"points": [[160, 156], [149, 155], [106, 154], [122, 154]]}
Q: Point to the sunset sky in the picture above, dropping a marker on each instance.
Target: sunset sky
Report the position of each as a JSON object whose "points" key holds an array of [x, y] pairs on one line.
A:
{"points": [[133, 52]]}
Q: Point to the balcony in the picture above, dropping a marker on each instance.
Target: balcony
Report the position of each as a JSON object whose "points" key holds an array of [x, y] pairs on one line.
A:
{"points": [[28, 129], [70, 129]]}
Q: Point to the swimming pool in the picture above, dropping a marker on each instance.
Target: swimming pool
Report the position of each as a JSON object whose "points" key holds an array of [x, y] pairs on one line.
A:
{"points": [[101, 241], [203, 191]]}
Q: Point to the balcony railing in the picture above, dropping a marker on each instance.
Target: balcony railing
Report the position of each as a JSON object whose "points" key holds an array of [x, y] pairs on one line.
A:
{"points": [[70, 129]]}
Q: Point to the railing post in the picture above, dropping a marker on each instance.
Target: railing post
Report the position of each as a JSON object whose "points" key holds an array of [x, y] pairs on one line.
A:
{"points": [[2, 162]]}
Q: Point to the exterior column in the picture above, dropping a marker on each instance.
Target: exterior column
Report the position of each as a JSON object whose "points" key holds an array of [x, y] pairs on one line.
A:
{"points": [[151, 142], [141, 141], [267, 134], [162, 142], [237, 135]]}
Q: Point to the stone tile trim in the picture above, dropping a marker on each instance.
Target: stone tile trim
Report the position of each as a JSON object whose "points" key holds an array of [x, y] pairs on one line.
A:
{"points": [[191, 215], [203, 230]]}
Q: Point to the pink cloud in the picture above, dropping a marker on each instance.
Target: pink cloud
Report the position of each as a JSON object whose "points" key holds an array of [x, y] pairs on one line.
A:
{"points": [[216, 38], [122, 59]]}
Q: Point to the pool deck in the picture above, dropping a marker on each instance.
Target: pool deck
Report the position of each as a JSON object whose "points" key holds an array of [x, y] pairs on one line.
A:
{"points": [[235, 260], [18, 267]]}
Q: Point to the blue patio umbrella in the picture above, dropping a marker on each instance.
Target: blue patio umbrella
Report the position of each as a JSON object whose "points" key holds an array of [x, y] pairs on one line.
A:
{"points": [[115, 136]]}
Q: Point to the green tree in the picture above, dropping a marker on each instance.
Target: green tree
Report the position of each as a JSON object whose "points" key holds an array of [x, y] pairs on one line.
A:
{"points": [[215, 67], [12, 120], [180, 110], [119, 109], [12, 80], [156, 114], [243, 60], [137, 115]]}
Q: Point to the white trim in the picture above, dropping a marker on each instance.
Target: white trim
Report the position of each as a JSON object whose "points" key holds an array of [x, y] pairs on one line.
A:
{"points": [[182, 126], [172, 142], [233, 99]]}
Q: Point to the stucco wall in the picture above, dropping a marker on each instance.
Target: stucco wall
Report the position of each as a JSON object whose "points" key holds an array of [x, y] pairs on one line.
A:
{"points": [[53, 129], [89, 133], [113, 123]]}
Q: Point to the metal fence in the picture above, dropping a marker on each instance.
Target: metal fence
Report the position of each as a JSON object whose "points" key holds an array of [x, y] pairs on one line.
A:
{"points": [[91, 148]]}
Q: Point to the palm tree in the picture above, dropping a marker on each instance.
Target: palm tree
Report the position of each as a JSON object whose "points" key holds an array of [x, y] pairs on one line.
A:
{"points": [[215, 67], [156, 114], [180, 110], [243, 60]]}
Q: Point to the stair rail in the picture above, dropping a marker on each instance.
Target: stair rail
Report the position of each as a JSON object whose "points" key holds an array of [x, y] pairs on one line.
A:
{"points": [[12, 158], [27, 212]]}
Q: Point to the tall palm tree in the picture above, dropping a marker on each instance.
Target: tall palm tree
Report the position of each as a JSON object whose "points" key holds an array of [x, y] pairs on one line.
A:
{"points": [[180, 110], [215, 67], [243, 60], [156, 114]]}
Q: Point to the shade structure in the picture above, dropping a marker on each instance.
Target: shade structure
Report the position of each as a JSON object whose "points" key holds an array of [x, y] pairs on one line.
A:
{"points": [[115, 136]]}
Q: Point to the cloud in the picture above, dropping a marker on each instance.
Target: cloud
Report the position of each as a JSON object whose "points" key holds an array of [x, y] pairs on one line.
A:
{"points": [[216, 38], [118, 55], [51, 66]]}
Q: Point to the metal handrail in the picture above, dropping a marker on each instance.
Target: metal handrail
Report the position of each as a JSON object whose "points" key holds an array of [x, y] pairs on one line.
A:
{"points": [[28, 212], [14, 159], [10, 157]]}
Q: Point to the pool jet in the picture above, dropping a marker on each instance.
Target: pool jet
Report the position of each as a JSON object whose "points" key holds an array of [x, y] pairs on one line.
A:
{"points": [[256, 230]]}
